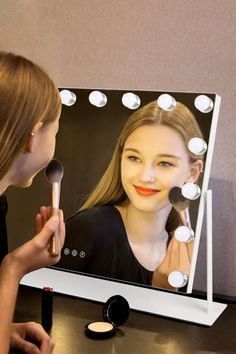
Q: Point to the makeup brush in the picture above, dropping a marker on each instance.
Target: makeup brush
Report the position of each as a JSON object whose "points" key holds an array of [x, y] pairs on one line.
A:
{"points": [[181, 205], [54, 173]]}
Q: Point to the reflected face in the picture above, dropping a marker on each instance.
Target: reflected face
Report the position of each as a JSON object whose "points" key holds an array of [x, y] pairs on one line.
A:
{"points": [[43, 148], [154, 160]]}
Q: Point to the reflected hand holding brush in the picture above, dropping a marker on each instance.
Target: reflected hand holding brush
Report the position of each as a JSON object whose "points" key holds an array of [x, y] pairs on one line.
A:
{"points": [[181, 205], [54, 173]]}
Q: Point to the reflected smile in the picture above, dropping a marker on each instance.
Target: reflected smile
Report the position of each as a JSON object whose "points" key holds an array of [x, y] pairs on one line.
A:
{"points": [[144, 191]]}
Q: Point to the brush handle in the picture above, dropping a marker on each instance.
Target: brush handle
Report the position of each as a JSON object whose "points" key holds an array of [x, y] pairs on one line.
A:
{"points": [[56, 189], [55, 202], [185, 218]]}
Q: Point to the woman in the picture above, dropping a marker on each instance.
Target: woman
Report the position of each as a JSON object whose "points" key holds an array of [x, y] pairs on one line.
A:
{"points": [[124, 229], [30, 108]]}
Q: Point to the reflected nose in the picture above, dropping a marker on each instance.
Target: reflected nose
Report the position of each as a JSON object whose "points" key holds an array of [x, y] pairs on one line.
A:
{"points": [[147, 174]]}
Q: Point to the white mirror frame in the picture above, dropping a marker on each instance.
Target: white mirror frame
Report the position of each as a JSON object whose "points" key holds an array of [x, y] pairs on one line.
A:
{"points": [[141, 298], [204, 189]]}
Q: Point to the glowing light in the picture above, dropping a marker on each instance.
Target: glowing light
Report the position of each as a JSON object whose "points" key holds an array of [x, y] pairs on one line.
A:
{"points": [[184, 234], [197, 146], [97, 98], [203, 103], [68, 98], [130, 100], [191, 191], [166, 102], [177, 279]]}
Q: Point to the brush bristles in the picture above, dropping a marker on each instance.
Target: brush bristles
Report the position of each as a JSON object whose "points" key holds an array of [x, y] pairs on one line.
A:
{"points": [[177, 199], [175, 195], [54, 171]]}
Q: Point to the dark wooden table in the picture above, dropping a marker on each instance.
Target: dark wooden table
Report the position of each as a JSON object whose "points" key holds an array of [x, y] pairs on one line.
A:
{"points": [[141, 334]]}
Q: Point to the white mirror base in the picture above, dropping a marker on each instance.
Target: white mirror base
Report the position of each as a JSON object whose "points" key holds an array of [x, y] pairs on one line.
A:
{"points": [[153, 301]]}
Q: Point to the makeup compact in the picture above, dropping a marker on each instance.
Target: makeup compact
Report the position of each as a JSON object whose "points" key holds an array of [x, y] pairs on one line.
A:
{"points": [[115, 313]]}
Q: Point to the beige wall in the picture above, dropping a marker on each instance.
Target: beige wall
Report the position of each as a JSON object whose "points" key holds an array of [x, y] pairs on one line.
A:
{"points": [[173, 45]]}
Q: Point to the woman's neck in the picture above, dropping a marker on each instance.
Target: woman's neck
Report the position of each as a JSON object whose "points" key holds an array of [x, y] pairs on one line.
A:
{"points": [[146, 233], [142, 226]]}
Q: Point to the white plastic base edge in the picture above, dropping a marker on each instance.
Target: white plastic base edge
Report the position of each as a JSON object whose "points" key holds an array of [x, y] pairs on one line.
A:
{"points": [[149, 300]]}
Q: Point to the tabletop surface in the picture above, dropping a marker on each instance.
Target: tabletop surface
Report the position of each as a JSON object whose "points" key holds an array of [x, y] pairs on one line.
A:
{"points": [[141, 334]]}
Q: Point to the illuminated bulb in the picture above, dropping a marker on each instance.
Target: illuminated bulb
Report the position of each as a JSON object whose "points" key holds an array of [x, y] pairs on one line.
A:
{"points": [[68, 98], [191, 191], [97, 98], [203, 103], [197, 146], [184, 234], [166, 102], [130, 100], [177, 279]]}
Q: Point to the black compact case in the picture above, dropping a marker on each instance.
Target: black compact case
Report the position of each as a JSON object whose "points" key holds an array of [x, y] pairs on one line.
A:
{"points": [[115, 313]]}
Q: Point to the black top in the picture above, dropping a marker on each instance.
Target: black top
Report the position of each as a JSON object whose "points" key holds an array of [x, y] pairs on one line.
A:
{"points": [[3, 228], [96, 243]]}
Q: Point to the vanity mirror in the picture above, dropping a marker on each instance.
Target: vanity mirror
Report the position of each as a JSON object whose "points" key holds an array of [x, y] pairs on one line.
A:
{"points": [[161, 163]]}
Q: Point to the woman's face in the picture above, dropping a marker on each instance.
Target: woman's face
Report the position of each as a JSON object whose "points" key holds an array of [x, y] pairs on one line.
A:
{"points": [[154, 160], [39, 152]]}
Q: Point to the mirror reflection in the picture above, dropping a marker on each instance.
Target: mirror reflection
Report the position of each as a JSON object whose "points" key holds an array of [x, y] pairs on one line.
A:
{"points": [[122, 163]]}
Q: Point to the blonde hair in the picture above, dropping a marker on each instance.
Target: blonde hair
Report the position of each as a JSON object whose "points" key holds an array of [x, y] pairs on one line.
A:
{"points": [[109, 190], [27, 96]]}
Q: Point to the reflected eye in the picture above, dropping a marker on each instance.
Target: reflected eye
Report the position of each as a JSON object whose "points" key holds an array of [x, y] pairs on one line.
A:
{"points": [[134, 158], [165, 164]]}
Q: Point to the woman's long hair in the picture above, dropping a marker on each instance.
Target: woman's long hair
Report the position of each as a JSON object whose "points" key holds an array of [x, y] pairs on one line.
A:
{"points": [[27, 96], [109, 190]]}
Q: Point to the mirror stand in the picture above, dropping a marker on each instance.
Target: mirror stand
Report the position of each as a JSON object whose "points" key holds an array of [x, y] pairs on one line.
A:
{"points": [[176, 306], [206, 311]]}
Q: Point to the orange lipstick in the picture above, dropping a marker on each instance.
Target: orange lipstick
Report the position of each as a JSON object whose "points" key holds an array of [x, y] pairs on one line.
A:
{"points": [[145, 191]]}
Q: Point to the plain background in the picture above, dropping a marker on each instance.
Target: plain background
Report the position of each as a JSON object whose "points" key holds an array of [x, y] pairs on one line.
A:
{"points": [[166, 45]]}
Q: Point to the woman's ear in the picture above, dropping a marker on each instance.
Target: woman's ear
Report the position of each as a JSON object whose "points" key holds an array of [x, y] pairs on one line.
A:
{"points": [[30, 142], [195, 170]]}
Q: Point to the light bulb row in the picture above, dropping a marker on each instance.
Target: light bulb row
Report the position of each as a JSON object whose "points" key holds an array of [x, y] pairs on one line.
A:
{"points": [[196, 145], [202, 103], [132, 101]]}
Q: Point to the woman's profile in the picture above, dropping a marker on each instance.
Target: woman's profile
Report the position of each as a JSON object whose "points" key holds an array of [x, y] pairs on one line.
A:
{"points": [[124, 230], [30, 109]]}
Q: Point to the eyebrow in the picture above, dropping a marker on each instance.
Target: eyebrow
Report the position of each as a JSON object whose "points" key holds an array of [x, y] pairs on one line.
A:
{"points": [[158, 155]]}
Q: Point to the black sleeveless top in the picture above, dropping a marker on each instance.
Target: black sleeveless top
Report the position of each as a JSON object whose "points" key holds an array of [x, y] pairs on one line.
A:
{"points": [[96, 243]]}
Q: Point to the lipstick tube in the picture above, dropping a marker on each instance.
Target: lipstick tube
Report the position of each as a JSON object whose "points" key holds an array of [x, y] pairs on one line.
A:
{"points": [[46, 308]]}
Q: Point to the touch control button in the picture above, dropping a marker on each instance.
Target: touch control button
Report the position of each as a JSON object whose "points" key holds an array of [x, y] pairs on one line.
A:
{"points": [[74, 253], [66, 251], [82, 254]]}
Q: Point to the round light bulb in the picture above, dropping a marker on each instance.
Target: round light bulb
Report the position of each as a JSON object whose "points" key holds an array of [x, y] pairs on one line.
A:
{"points": [[130, 100], [191, 191], [97, 98], [177, 279], [184, 234], [197, 146], [166, 102], [68, 98], [203, 103]]}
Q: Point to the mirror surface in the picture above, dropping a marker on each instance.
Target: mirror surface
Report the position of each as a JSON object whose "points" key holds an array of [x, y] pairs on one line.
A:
{"points": [[89, 129]]}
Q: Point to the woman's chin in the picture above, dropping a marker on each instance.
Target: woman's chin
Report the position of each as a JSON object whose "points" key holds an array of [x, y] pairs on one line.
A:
{"points": [[24, 184]]}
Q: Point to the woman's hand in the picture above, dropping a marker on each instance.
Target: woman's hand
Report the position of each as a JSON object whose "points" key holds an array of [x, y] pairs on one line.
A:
{"points": [[24, 335], [178, 257], [42, 217], [35, 254]]}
